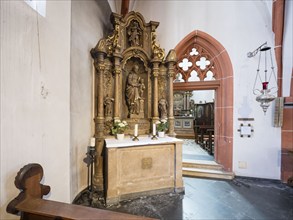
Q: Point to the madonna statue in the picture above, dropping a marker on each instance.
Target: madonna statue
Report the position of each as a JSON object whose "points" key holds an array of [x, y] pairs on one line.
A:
{"points": [[133, 90]]}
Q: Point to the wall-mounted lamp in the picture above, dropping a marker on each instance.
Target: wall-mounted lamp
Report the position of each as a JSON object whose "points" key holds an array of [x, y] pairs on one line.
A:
{"points": [[264, 95]]}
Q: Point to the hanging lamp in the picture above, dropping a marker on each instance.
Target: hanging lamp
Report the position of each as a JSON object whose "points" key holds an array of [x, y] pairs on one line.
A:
{"points": [[265, 95]]}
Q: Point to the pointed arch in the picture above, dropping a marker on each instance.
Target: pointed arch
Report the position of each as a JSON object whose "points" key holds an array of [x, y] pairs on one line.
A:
{"points": [[223, 85]]}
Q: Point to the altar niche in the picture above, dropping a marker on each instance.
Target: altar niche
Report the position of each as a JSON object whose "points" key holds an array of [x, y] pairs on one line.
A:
{"points": [[134, 81], [136, 84]]}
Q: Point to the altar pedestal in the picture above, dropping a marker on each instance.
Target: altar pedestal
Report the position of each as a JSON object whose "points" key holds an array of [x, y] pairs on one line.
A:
{"points": [[144, 167]]}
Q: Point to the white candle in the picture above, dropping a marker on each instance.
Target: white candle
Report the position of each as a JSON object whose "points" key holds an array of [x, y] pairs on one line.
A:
{"points": [[154, 129], [135, 130], [93, 142]]}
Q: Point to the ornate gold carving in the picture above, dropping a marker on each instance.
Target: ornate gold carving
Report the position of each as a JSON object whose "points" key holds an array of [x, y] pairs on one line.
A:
{"points": [[158, 52], [155, 73], [146, 163], [117, 71], [162, 84], [100, 67], [135, 52], [101, 46], [107, 127], [133, 41], [113, 40], [107, 81]]}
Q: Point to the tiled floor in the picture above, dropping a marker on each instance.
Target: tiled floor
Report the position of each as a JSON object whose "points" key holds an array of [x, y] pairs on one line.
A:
{"points": [[193, 151]]}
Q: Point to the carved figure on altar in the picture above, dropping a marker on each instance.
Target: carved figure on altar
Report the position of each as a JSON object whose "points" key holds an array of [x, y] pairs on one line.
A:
{"points": [[108, 106], [163, 106], [141, 88], [134, 33], [134, 85]]}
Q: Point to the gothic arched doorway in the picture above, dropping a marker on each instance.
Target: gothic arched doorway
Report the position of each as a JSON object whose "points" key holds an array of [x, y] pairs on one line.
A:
{"points": [[204, 60]]}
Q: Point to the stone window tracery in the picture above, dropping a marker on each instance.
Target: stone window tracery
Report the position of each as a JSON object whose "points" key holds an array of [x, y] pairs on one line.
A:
{"points": [[196, 65]]}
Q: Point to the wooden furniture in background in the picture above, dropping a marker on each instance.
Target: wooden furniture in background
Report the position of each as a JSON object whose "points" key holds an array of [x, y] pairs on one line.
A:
{"points": [[30, 205], [184, 126], [184, 114], [204, 126]]}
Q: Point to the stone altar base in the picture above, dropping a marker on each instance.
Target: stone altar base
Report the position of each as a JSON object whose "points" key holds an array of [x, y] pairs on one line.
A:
{"points": [[144, 167]]}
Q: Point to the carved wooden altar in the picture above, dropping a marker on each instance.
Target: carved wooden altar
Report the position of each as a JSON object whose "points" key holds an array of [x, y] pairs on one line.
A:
{"points": [[134, 80]]}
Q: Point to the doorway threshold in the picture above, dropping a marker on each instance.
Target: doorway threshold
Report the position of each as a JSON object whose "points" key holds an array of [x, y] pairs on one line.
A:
{"points": [[205, 169]]}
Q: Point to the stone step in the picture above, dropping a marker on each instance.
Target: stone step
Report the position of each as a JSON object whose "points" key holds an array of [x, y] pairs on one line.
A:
{"points": [[201, 164], [207, 173]]}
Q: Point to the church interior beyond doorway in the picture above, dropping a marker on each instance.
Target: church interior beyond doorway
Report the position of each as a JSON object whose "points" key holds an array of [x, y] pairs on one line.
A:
{"points": [[194, 123]]}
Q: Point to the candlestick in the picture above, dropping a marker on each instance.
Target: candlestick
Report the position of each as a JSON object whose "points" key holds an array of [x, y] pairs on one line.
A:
{"points": [[135, 138], [93, 142], [135, 130]]}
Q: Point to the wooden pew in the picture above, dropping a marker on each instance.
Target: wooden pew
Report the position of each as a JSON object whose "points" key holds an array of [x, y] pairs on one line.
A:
{"points": [[30, 205]]}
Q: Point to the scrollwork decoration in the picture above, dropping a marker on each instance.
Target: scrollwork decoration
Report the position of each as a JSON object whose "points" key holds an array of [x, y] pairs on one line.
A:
{"points": [[158, 52], [112, 41]]}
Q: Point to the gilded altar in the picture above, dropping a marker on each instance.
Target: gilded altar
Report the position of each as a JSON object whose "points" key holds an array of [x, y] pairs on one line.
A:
{"points": [[134, 81]]}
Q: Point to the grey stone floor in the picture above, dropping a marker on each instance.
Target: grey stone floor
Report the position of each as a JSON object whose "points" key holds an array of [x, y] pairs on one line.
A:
{"points": [[192, 151], [242, 198]]}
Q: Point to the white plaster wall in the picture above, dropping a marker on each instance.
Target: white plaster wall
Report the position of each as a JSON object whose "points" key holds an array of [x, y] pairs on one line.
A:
{"points": [[35, 96], [90, 19], [240, 26]]}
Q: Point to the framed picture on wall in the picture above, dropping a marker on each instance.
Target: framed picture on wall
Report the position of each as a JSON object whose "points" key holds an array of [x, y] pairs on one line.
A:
{"points": [[187, 124], [178, 124]]}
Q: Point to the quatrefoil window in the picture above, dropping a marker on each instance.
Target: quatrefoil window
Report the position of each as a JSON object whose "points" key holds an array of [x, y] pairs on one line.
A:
{"points": [[185, 64], [202, 63]]}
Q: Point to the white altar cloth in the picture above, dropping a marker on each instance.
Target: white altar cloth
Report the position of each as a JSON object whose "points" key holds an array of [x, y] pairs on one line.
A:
{"points": [[143, 141]]}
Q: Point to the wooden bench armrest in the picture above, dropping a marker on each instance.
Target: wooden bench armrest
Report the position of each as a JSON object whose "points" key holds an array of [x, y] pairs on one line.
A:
{"points": [[53, 209], [30, 205]]}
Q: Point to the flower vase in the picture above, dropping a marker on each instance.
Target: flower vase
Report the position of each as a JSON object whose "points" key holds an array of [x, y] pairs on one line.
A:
{"points": [[161, 134], [120, 137]]}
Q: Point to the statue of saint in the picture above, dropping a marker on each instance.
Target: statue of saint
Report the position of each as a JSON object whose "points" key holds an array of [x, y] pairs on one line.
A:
{"points": [[134, 33], [108, 105], [133, 90], [163, 105]]}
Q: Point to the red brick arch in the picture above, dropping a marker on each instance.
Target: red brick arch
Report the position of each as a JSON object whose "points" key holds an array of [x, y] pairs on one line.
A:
{"points": [[223, 86]]}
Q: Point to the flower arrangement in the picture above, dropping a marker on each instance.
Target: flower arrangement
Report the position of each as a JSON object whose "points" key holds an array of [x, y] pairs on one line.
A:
{"points": [[119, 127], [162, 125]]}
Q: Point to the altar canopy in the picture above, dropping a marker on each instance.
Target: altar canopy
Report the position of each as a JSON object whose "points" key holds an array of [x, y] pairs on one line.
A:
{"points": [[134, 80]]}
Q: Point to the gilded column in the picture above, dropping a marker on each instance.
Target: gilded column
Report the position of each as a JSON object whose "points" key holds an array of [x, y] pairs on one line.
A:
{"points": [[171, 61], [158, 56], [98, 53], [117, 94], [156, 63]]}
